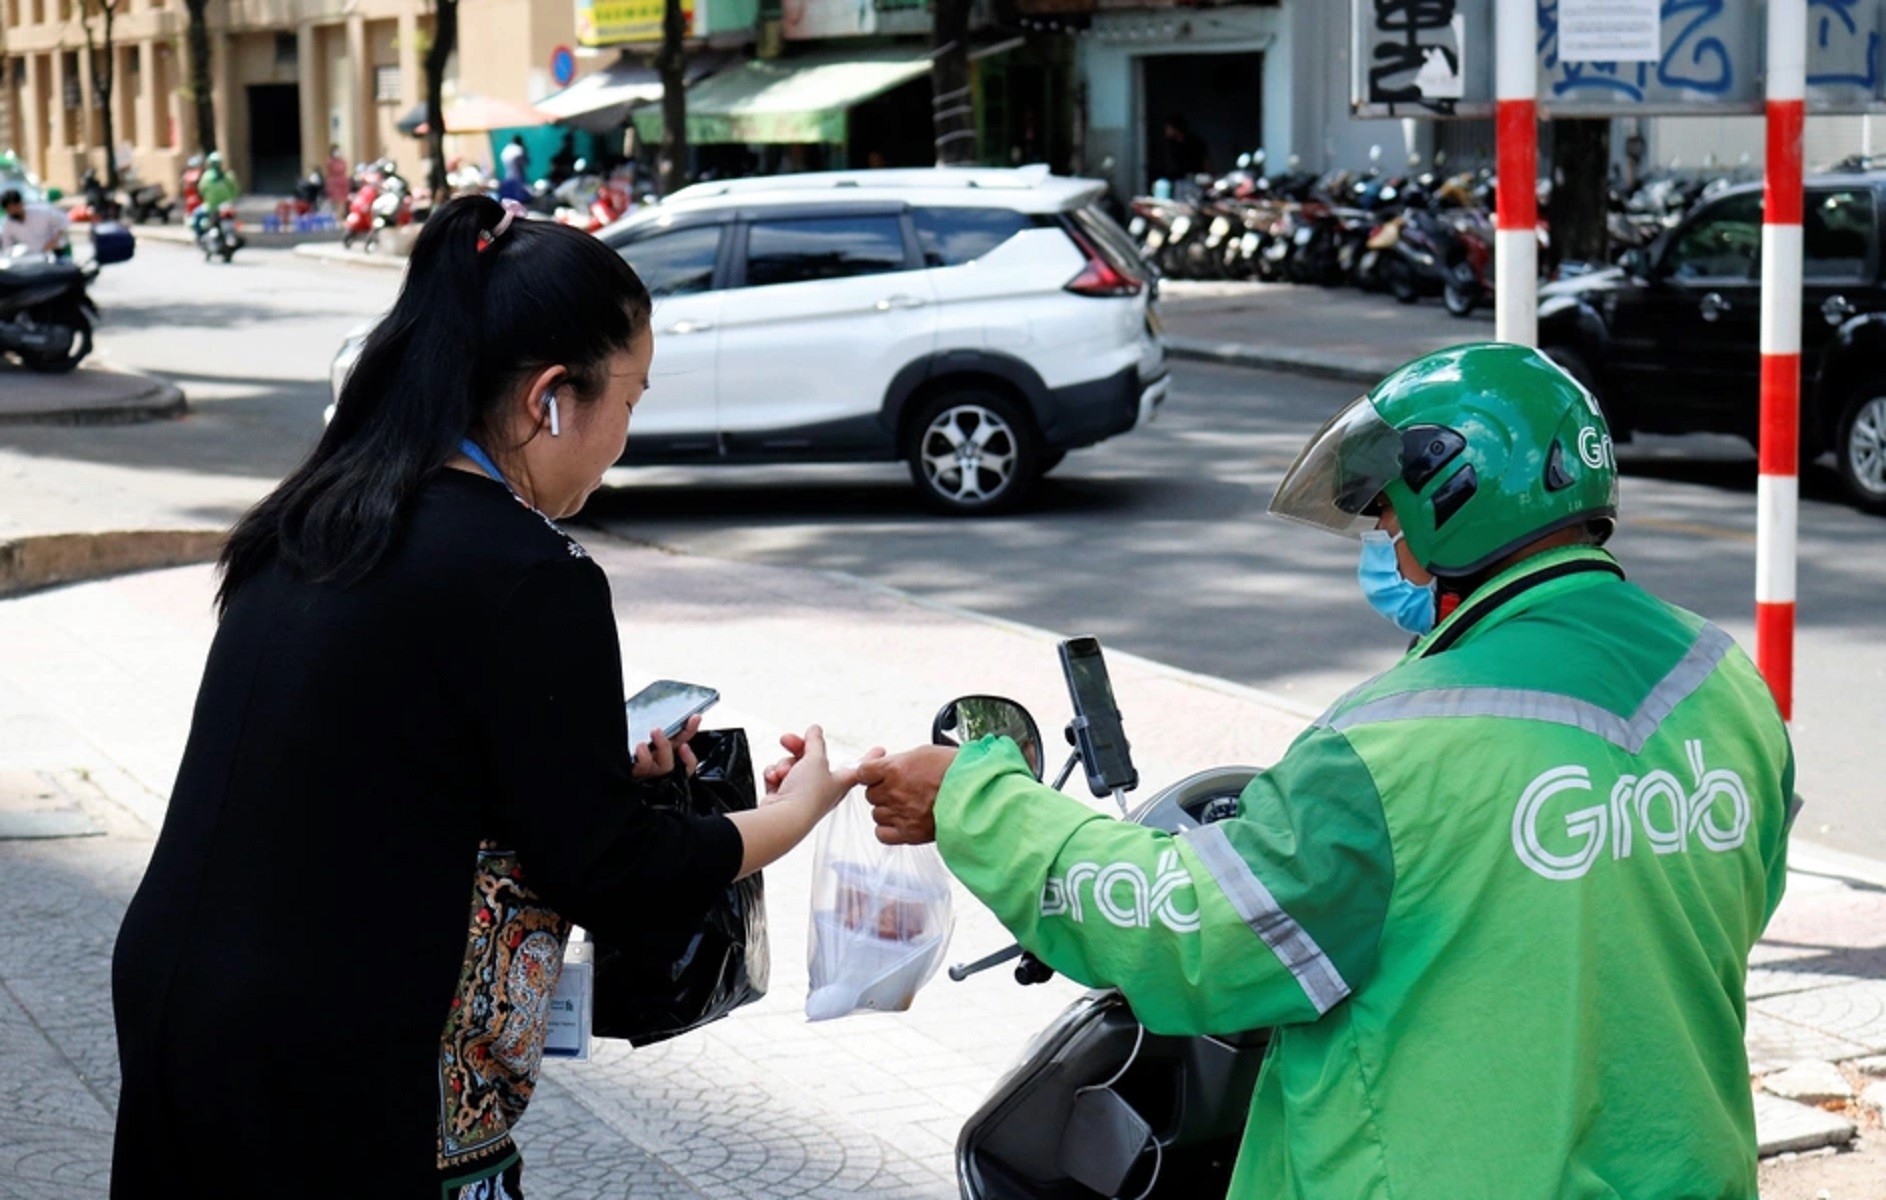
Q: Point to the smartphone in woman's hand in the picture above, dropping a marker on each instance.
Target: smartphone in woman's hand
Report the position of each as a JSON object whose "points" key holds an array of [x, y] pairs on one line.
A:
{"points": [[666, 705]]}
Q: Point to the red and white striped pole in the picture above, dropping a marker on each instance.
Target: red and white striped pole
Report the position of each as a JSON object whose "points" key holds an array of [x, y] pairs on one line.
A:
{"points": [[1777, 489], [1516, 243]]}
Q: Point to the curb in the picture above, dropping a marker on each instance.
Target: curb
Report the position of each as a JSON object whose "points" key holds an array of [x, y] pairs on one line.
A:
{"points": [[177, 233], [49, 560], [1295, 362], [332, 252], [159, 402]]}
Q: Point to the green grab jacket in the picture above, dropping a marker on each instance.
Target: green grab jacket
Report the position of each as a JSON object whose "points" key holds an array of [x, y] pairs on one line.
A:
{"points": [[1497, 905]]}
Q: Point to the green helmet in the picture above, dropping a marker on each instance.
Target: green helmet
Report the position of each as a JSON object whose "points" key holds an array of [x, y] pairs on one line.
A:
{"points": [[1481, 449]]}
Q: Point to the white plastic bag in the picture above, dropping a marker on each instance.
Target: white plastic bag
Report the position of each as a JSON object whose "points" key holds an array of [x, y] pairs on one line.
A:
{"points": [[881, 918]]}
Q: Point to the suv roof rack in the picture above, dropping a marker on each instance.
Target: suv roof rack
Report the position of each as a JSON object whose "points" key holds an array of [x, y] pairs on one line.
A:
{"points": [[1000, 178]]}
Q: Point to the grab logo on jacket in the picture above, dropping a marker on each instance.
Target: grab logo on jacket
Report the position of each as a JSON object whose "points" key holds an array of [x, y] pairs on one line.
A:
{"points": [[1123, 894], [1712, 813]]}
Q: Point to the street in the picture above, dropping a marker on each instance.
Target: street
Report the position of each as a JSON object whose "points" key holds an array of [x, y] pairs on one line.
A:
{"points": [[1156, 542], [1228, 628]]}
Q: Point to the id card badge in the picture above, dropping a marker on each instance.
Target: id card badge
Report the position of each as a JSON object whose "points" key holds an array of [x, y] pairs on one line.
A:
{"points": [[568, 1034]]}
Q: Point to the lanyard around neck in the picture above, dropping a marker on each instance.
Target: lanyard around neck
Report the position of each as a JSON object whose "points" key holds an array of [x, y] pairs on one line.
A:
{"points": [[476, 453]]}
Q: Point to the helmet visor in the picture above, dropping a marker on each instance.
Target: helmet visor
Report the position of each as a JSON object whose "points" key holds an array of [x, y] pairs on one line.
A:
{"points": [[1334, 483]]}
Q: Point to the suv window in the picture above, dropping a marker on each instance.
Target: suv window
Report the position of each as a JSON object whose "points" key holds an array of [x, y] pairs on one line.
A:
{"points": [[1116, 245], [1724, 242], [675, 261], [1837, 232], [800, 250], [951, 237]]}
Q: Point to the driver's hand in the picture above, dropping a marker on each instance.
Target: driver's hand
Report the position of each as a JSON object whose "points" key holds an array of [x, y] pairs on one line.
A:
{"points": [[902, 788]]}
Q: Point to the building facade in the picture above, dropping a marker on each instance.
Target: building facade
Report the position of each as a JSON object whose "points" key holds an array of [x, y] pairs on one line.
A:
{"points": [[290, 78]]}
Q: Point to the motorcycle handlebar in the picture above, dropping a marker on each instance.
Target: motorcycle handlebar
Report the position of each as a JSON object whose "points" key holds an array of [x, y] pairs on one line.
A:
{"points": [[963, 971]]}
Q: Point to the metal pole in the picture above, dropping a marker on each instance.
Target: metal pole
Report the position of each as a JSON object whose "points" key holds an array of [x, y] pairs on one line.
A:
{"points": [[1777, 488], [1516, 243]]}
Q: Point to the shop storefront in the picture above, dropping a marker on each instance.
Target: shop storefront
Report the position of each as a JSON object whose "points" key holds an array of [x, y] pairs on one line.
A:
{"points": [[817, 111]]}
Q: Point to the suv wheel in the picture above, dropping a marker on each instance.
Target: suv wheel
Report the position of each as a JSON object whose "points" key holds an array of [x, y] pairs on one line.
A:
{"points": [[972, 451], [1860, 449]]}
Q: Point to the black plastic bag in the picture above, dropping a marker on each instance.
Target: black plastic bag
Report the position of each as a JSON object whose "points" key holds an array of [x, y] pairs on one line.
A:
{"points": [[665, 981]]}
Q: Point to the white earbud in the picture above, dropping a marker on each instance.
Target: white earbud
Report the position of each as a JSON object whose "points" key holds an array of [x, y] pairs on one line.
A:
{"points": [[550, 402]]}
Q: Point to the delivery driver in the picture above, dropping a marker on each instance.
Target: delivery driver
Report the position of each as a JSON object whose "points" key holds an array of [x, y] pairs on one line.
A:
{"points": [[1498, 901]]}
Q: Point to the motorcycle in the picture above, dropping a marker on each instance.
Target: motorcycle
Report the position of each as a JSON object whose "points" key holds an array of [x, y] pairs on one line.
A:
{"points": [[219, 235], [45, 313], [357, 225], [1099, 1106], [146, 202], [392, 207], [1417, 263], [381, 200]]}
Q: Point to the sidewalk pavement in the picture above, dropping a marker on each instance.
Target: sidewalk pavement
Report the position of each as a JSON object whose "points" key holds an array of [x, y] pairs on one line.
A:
{"points": [[96, 688], [94, 394], [1333, 333], [39, 547]]}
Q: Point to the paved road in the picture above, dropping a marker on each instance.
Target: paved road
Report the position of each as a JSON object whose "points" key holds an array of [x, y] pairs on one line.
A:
{"points": [[1156, 542]]}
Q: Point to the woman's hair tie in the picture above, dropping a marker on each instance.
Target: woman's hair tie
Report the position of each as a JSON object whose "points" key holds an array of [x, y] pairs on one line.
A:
{"points": [[488, 238]]}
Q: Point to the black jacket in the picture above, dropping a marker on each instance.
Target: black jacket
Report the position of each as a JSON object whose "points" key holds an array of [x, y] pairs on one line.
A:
{"points": [[286, 971]]}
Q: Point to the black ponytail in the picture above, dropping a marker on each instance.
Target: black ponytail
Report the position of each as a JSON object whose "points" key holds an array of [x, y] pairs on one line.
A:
{"points": [[468, 325]]}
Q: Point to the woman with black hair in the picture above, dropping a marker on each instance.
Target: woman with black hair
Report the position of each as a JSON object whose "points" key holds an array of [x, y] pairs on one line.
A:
{"points": [[408, 769]]}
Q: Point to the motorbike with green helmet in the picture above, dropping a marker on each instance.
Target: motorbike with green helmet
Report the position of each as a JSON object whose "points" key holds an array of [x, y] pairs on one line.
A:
{"points": [[218, 232], [1509, 884]]}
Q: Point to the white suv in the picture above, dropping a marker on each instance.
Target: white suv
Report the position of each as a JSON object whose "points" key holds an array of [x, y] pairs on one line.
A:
{"points": [[977, 324]]}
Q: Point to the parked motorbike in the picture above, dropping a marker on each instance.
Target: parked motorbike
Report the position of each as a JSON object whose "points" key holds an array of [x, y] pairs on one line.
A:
{"points": [[45, 313], [392, 207], [1470, 265], [357, 225], [1098, 1106], [310, 192], [146, 202], [1417, 264], [219, 235]]}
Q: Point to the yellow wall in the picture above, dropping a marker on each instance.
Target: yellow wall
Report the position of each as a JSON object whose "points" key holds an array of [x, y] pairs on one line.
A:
{"points": [[504, 51]]}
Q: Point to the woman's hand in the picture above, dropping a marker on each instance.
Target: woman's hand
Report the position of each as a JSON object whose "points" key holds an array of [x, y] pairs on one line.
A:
{"points": [[806, 775], [656, 757], [800, 789]]}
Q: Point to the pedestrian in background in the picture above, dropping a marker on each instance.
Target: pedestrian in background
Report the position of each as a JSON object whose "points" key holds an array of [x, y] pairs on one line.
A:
{"points": [[30, 228], [515, 159], [340, 180], [408, 768]]}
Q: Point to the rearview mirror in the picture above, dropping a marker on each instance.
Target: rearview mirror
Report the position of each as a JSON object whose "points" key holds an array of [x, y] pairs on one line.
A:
{"points": [[971, 718]]}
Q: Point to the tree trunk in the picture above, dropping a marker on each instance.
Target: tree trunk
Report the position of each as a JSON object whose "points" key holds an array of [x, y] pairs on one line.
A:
{"points": [[1581, 176], [101, 64], [102, 81], [952, 106], [438, 55], [202, 92], [672, 63]]}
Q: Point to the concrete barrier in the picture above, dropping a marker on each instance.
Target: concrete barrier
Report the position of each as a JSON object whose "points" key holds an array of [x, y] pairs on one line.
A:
{"points": [[48, 560]]}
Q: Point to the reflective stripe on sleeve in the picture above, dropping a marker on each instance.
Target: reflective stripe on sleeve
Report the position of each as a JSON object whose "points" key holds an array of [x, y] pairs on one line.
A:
{"points": [[1292, 944], [1628, 734]]}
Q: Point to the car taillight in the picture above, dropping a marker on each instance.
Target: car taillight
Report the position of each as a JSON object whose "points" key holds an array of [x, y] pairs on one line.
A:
{"points": [[1100, 277]]}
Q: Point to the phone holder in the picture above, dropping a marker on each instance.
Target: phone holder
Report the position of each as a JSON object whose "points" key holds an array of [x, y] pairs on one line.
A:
{"points": [[1060, 781]]}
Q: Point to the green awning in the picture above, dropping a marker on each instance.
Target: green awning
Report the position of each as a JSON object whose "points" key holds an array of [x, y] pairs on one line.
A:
{"points": [[785, 100]]}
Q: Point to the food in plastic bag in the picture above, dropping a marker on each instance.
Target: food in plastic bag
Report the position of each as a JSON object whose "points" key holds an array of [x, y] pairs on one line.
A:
{"points": [[881, 918]]}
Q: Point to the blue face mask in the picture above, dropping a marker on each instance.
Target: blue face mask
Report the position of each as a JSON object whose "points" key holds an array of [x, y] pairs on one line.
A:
{"points": [[1408, 605]]}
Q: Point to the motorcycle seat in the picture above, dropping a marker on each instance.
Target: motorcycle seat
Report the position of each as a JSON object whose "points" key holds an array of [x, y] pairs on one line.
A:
{"points": [[19, 274]]}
